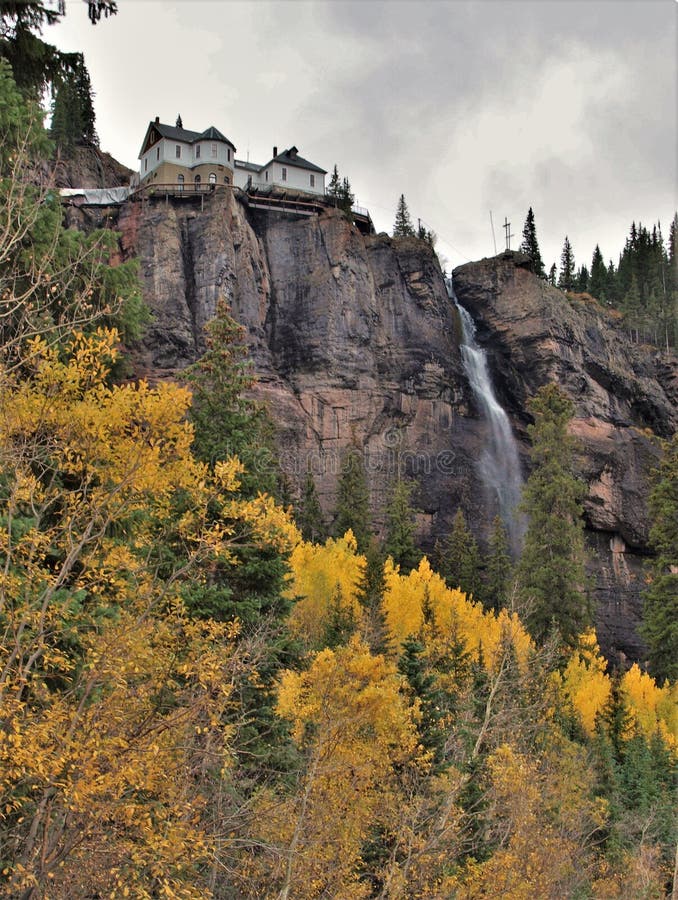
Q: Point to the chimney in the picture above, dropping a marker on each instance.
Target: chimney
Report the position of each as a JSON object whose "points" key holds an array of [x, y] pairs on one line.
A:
{"points": [[275, 152], [157, 120]]}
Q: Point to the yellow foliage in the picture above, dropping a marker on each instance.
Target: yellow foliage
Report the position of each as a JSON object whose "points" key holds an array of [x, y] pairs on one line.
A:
{"points": [[407, 597], [352, 720], [317, 571], [538, 815], [653, 707], [112, 699], [585, 682]]}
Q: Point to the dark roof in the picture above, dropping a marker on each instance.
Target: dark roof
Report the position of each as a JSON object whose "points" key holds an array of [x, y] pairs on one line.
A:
{"points": [[291, 158], [248, 166], [183, 134], [213, 134]]}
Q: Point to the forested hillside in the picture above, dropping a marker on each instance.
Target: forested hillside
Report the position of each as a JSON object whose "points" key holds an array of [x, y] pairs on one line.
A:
{"points": [[197, 702]]}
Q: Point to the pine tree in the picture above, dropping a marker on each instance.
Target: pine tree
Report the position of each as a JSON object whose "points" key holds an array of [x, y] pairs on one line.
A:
{"points": [[566, 277], [400, 527], [334, 186], [553, 272], [403, 223], [73, 111], [598, 279], [309, 514], [581, 281], [353, 500], [551, 573], [458, 558], [499, 568], [341, 622], [226, 421], [422, 684], [660, 613], [370, 595], [37, 65], [530, 245]]}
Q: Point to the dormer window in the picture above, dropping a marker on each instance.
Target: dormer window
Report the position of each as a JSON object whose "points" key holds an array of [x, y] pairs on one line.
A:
{"points": [[197, 151], [177, 151]]}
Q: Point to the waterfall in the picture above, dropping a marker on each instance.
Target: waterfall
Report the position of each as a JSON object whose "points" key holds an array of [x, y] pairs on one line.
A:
{"points": [[499, 464]]}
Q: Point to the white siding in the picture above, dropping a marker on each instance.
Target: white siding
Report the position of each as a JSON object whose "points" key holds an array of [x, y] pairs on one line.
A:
{"points": [[297, 178]]}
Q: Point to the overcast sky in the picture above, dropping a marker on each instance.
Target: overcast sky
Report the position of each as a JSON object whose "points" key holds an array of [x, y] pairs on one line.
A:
{"points": [[568, 106]]}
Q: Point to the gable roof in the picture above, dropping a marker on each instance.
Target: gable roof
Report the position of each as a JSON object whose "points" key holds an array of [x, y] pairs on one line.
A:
{"points": [[291, 158], [173, 133]]}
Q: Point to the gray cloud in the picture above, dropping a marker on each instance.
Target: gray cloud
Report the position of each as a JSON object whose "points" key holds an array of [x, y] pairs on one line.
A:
{"points": [[464, 106]]}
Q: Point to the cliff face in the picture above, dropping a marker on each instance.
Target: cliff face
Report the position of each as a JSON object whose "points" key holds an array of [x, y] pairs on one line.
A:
{"points": [[622, 393], [354, 340]]}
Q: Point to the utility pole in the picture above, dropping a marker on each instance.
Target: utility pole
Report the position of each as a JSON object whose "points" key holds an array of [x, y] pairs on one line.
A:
{"points": [[494, 240], [507, 228]]}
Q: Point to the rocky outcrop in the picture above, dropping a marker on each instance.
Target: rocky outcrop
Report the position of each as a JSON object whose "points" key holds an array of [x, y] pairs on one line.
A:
{"points": [[88, 167], [355, 341], [623, 394]]}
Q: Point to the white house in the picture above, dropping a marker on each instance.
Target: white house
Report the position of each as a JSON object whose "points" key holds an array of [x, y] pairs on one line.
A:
{"points": [[171, 154], [286, 169]]}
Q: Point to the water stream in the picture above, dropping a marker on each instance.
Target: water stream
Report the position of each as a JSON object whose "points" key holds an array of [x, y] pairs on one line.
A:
{"points": [[499, 465]]}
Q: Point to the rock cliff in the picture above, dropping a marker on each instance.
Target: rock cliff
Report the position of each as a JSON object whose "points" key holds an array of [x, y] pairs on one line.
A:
{"points": [[622, 393], [355, 341]]}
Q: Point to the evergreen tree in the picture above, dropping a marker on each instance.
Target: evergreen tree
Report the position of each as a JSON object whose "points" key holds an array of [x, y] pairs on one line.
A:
{"points": [[660, 613], [353, 500], [553, 271], [530, 245], [400, 527], [73, 111], [581, 281], [422, 684], [551, 572], [334, 186], [403, 223], [370, 595], [566, 277], [309, 514], [341, 622], [458, 558], [37, 65], [226, 421], [499, 567], [598, 280]]}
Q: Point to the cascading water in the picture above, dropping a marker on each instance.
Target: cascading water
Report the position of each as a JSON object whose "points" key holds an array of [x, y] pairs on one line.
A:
{"points": [[499, 463]]}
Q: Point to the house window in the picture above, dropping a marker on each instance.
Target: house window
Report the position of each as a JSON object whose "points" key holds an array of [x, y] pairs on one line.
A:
{"points": [[228, 154], [212, 178], [214, 151], [180, 181], [197, 180], [227, 180], [146, 165], [197, 151], [177, 151], [267, 175], [157, 153], [284, 173], [312, 180]]}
